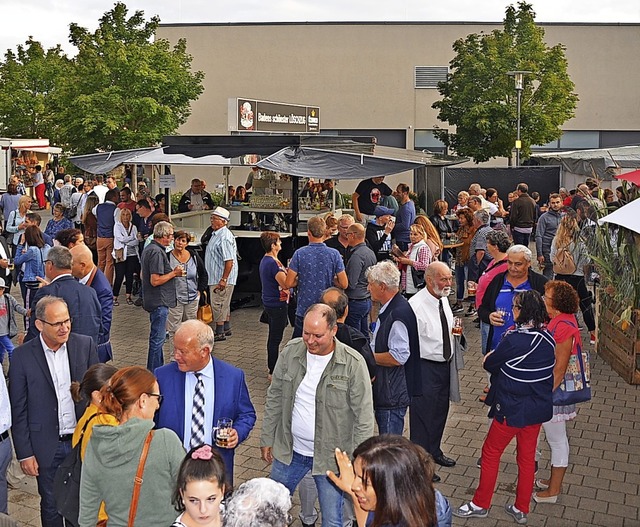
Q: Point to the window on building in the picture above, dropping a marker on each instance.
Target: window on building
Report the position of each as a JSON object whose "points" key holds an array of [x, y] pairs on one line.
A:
{"points": [[425, 140]]}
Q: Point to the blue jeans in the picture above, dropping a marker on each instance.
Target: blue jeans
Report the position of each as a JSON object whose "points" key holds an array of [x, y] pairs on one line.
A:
{"points": [[330, 497], [297, 327], [461, 279], [520, 238], [157, 334], [390, 420], [5, 459], [48, 509], [484, 336], [5, 345], [358, 316]]}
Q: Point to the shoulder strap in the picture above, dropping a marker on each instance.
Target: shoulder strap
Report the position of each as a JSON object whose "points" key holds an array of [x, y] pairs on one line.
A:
{"points": [[137, 482], [84, 428]]}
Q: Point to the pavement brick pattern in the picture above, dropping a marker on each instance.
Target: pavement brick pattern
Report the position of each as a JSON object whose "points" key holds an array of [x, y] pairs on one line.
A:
{"points": [[601, 486]]}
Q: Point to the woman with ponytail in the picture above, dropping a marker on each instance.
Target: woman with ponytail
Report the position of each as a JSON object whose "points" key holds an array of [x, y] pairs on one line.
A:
{"points": [[113, 456]]}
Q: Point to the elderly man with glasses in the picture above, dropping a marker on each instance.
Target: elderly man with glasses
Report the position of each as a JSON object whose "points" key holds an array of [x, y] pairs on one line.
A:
{"points": [[158, 289]]}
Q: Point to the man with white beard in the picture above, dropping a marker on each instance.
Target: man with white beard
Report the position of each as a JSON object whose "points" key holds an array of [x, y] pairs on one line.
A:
{"points": [[429, 410]]}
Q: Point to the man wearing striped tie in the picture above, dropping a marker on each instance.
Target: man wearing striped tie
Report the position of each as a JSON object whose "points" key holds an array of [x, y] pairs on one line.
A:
{"points": [[200, 390]]}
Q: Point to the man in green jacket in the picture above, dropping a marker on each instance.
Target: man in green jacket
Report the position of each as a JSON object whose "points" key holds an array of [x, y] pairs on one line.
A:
{"points": [[320, 399]]}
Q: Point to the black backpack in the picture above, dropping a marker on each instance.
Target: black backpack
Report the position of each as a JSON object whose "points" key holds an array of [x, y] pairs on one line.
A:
{"points": [[66, 482]]}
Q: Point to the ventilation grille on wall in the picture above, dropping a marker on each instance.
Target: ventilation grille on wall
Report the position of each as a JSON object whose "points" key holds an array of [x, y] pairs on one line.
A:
{"points": [[430, 76]]}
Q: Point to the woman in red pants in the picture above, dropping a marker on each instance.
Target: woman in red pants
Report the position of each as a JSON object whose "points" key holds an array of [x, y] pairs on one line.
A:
{"points": [[521, 369]]}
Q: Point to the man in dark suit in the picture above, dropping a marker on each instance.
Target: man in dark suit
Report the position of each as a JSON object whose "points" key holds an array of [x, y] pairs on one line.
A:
{"points": [[224, 391], [43, 413], [87, 273], [83, 303]]}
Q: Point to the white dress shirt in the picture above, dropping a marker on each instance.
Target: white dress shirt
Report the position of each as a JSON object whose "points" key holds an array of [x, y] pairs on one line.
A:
{"points": [[58, 362], [427, 310], [209, 394]]}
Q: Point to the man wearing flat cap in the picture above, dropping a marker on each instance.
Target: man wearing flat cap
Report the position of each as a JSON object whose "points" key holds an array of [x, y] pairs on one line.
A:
{"points": [[222, 267]]}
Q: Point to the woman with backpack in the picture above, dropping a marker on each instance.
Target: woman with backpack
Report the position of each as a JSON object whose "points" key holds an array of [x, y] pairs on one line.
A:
{"points": [[569, 258]]}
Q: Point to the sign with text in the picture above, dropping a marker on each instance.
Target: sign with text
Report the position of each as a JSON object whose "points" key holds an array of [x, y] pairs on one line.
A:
{"points": [[251, 115]]}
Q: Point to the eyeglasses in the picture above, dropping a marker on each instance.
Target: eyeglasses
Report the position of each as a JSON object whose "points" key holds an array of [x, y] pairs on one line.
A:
{"points": [[158, 395], [57, 325]]}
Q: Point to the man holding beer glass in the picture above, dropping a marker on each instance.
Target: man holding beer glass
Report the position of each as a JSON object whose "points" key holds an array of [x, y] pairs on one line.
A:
{"points": [[206, 399]]}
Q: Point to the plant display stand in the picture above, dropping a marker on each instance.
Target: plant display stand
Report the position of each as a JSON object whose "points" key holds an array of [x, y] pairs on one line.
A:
{"points": [[619, 347]]}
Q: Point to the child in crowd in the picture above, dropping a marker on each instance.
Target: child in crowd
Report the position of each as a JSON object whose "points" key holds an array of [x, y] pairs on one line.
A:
{"points": [[8, 326], [200, 489]]}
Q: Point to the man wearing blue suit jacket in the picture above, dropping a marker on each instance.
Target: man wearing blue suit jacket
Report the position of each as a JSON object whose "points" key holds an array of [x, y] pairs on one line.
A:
{"points": [[43, 413], [81, 300], [225, 391], [86, 272]]}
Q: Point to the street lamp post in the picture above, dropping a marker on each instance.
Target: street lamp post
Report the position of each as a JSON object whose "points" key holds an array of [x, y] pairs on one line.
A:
{"points": [[518, 76]]}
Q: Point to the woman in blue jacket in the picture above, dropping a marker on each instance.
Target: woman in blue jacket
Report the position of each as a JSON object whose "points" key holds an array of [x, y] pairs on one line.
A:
{"points": [[32, 252], [520, 397]]}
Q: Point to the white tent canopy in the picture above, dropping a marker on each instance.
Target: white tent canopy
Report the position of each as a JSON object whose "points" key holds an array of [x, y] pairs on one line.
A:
{"points": [[627, 216], [603, 163]]}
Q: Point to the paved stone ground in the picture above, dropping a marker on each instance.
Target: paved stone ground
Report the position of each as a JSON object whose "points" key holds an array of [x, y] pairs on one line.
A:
{"points": [[601, 486]]}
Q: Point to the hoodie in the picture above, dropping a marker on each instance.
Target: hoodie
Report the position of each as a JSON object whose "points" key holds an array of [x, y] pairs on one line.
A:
{"points": [[110, 466]]}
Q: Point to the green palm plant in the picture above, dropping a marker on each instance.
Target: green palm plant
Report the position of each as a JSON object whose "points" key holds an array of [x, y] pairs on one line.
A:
{"points": [[615, 251]]}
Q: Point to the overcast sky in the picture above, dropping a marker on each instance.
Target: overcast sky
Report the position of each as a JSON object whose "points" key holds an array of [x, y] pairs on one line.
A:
{"points": [[48, 20]]}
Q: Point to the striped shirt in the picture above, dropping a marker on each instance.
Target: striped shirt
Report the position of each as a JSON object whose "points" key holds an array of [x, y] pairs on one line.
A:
{"points": [[221, 248]]}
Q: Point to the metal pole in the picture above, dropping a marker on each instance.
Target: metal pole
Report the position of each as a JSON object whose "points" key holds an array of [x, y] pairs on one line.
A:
{"points": [[518, 143]]}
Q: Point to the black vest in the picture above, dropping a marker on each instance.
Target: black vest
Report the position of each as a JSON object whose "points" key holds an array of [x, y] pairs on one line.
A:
{"points": [[390, 386]]}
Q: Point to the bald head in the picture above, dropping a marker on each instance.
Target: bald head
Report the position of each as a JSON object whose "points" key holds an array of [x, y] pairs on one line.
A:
{"points": [[356, 233], [82, 263]]}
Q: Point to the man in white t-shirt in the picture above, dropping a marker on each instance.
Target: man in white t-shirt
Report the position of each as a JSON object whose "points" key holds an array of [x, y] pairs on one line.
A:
{"points": [[320, 399]]}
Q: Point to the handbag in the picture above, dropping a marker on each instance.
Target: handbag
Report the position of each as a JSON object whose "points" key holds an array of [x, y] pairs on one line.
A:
{"points": [[137, 482], [205, 314], [119, 255], [66, 482], [264, 317], [417, 277], [575, 387]]}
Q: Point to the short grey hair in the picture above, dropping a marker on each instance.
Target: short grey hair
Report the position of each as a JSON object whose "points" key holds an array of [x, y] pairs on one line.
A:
{"points": [[499, 239], [60, 257], [260, 502], [200, 331], [520, 249], [45, 302], [346, 218], [162, 229], [482, 216], [385, 272]]}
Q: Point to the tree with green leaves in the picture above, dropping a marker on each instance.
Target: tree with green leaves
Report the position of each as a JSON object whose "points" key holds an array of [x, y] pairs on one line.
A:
{"points": [[30, 82], [127, 90], [479, 98]]}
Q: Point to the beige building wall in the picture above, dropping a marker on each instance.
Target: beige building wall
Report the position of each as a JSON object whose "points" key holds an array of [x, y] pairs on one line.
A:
{"points": [[362, 74]]}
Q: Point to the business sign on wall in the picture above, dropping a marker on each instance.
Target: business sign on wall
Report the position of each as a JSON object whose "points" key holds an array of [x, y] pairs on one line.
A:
{"points": [[250, 115]]}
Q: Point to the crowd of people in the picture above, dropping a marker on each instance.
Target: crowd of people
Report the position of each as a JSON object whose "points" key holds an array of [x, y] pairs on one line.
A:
{"points": [[374, 335]]}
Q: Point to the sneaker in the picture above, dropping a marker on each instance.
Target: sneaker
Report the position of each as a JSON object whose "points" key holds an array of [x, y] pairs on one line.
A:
{"points": [[479, 463], [592, 338], [219, 337], [469, 511], [457, 308], [519, 516], [228, 333], [471, 312], [138, 302]]}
